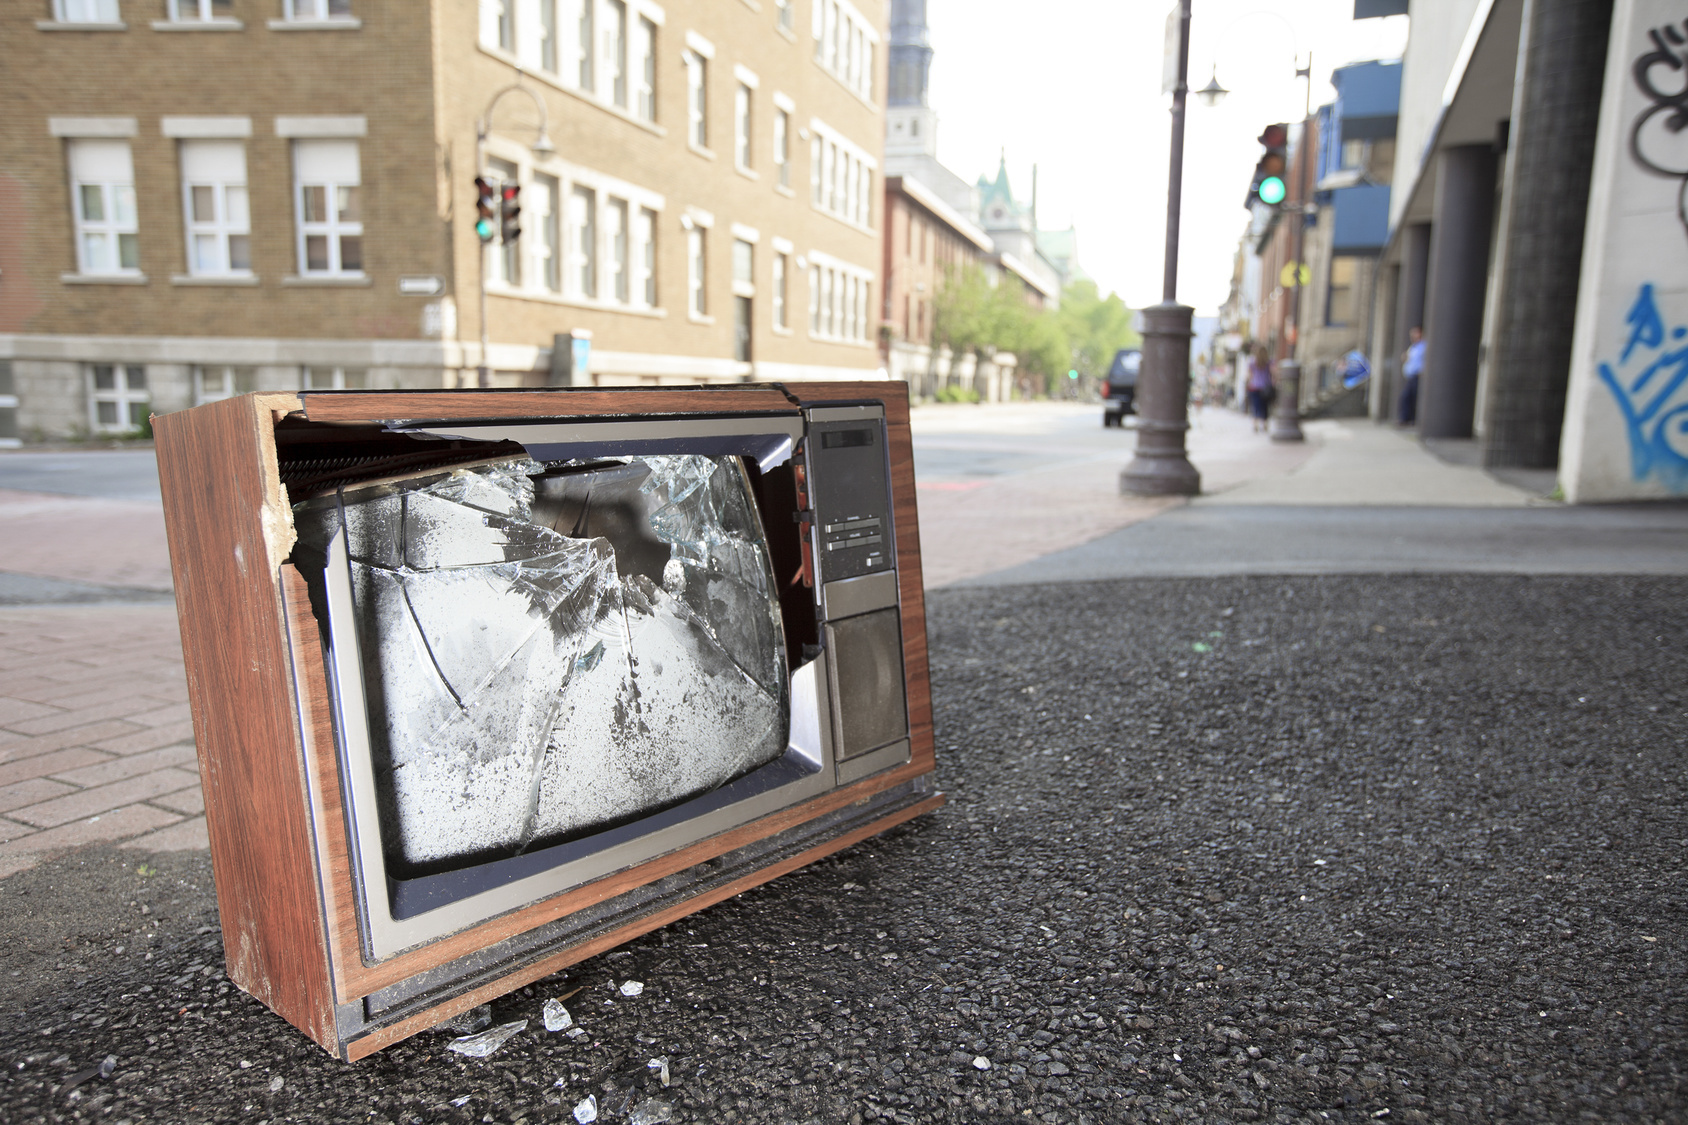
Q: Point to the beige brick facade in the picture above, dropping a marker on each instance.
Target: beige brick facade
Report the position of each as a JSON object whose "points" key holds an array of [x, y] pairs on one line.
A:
{"points": [[400, 86]]}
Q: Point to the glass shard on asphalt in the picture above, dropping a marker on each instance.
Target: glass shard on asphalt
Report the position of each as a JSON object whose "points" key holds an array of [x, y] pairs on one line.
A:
{"points": [[551, 650], [480, 1045]]}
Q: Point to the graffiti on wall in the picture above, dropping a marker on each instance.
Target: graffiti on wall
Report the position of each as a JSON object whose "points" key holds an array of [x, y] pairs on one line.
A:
{"points": [[1659, 139], [1650, 383]]}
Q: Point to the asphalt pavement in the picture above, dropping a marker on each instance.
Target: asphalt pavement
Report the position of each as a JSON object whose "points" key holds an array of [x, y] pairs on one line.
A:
{"points": [[1241, 846]]}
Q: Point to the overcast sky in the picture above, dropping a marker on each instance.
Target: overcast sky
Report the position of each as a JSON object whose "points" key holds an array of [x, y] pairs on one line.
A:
{"points": [[1075, 89]]}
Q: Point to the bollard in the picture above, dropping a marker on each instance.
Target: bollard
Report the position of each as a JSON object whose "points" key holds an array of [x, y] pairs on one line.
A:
{"points": [[1161, 466], [1286, 419]]}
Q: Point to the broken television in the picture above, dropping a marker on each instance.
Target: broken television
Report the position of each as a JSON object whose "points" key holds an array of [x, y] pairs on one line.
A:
{"points": [[559, 649]]}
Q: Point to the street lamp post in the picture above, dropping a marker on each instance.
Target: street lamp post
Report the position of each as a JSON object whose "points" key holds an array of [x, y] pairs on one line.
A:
{"points": [[542, 147], [1162, 466]]}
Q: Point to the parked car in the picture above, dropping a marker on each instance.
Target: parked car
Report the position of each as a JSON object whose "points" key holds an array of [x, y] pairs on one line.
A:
{"points": [[1119, 394]]}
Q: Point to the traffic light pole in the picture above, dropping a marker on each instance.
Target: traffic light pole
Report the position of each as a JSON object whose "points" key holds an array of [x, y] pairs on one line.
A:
{"points": [[542, 147], [1286, 418], [1162, 466]]}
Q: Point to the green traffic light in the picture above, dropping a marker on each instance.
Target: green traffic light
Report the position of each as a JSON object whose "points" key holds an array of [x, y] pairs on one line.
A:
{"points": [[1271, 190], [1072, 374], [484, 228]]}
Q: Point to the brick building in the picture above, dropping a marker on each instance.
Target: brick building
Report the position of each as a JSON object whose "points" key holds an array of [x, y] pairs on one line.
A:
{"points": [[204, 197]]}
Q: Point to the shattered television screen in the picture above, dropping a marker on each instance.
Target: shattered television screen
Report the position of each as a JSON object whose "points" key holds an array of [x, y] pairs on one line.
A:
{"points": [[549, 650]]}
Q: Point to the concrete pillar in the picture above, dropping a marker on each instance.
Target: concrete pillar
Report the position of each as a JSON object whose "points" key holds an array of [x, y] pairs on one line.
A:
{"points": [[1455, 291], [1409, 305], [1555, 119]]}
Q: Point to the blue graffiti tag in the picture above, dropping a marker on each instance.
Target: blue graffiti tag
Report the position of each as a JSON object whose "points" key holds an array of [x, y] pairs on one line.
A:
{"points": [[1654, 411]]}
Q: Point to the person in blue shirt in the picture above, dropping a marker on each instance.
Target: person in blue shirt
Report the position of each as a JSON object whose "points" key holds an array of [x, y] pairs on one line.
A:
{"points": [[1412, 366]]}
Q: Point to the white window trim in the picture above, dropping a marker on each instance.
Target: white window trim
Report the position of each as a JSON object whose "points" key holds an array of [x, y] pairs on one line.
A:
{"points": [[828, 133], [745, 75], [108, 227], [781, 245], [603, 185], [120, 394], [220, 228], [219, 128], [92, 128], [331, 228], [696, 42], [291, 22], [322, 128], [822, 135], [589, 97], [337, 377], [820, 260], [59, 23], [747, 234], [784, 101]]}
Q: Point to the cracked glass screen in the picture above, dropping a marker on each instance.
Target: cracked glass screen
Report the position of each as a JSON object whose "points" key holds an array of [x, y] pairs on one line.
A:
{"points": [[550, 650]]}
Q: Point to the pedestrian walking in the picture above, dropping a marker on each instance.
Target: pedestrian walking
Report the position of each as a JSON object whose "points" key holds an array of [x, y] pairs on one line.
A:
{"points": [[1412, 366], [1259, 388]]}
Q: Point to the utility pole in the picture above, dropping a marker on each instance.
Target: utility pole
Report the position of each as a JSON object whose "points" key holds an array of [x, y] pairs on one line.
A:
{"points": [[1162, 466]]}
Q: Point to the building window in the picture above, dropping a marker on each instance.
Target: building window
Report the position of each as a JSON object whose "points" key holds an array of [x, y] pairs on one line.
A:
{"points": [[199, 11], [214, 199], [584, 77], [333, 379], [788, 17], [618, 52], [119, 397], [546, 34], [844, 45], [1353, 154], [615, 219], [583, 243], [86, 11], [8, 407], [782, 265], [741, 126], [840, 178], [744, 262], [498, 24], [328, 178], [741, 327], [839, 299], [782, 146], [541, 211], [695, 267], [645, 237], [644, 68], [212, 384], [815, 145], [318, 9], [103, 195], [1339, 302], [697, 97]]}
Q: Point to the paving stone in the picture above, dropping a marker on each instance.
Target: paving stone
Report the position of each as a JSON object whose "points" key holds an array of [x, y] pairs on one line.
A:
{"points": [[43, 765], [130, 820], [104, 773], [24, 748], [91, 802], [81, 716], [146, 739], [31, 792], [186, 836], [189, 802]]}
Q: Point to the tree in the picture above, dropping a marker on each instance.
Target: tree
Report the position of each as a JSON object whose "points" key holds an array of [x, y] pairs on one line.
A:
{"points": [[1095, 327]]}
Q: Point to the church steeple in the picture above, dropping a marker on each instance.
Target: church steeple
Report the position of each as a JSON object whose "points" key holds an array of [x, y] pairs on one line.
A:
{"points": [[911, 53]]}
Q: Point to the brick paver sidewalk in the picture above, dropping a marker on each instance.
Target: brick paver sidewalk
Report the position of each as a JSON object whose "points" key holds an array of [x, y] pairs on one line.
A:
{"points": [[96, 744]]}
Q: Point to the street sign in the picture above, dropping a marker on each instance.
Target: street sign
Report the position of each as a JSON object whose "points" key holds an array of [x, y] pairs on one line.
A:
{"points": [[1287, 275]]}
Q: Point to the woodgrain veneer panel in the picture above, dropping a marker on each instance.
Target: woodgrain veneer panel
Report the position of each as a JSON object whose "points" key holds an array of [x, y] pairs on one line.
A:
{"points": [[216, 469]]}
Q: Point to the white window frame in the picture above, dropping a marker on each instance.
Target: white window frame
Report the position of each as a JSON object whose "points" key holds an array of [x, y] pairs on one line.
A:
{"points": [[777, 289], [316, 11], [787, 14], [782, 146], [644, 52], [200, 11], [506, 266], [615, 51], [840, 176], [645, 268], [840, 295], [584, 73], [697, 100], [333, 228], [697, 273], [87, 11], [228, 382], [223, 227], [844, 45], [542, 214], [742, 128], [123, 396], [616, 216], [581, 278], [118, 220]]}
